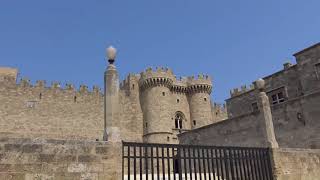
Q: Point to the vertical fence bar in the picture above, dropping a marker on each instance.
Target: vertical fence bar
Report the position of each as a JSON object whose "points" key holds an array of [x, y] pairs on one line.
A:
{"points": [[190, 163], [162, 161], [157, 159], [269, 164], [185, 163], [168, 158], [262, 169], [179, 163], [245, 165], [199, 163], [146, 162], [140, 161], [195, 164], [212, 164], [254, 164], [204, 164], [241, 173], [258, 164], [128, 162], [173, 164], [208, 162], [235, 163], [218, 164], [225, 155], [232, 163], [134, 163], [250, 168], [250, 171], [151, 164], [266, 162], [123, 161]]}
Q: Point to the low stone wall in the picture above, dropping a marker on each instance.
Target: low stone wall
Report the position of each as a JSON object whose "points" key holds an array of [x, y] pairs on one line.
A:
{"points": [[242, 131], [26, 159], [296, 164]]}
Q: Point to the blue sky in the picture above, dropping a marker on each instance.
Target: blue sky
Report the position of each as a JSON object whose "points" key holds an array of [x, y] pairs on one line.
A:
{"points": [[234, 41]]}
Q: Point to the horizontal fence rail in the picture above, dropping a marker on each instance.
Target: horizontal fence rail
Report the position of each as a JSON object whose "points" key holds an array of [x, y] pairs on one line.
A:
{"points": [[141, 161]]}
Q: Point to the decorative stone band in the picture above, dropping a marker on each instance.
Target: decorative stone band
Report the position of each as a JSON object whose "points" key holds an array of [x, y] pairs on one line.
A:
{"points": [[200, 88], [156, 81]]}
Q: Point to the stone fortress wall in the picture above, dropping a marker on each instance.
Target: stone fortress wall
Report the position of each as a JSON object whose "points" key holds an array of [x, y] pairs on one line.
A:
{"points": [[35, 111], [40, 111]]}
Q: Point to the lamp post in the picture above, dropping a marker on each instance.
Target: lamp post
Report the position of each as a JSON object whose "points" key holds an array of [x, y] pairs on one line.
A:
{"points": [[111, 99]]}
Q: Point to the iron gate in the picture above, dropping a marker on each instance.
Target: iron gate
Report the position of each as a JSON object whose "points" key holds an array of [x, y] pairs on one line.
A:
{"points": [[172, 162]]}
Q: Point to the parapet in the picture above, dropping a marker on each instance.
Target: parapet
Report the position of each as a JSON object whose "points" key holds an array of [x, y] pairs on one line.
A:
{"points": [[201, 84], [69, 87], [8, 74], [130, 82], [242, 90], [55, 85], [25, 82], [200, 79], [165, 77], [41, 83], [159, 77]]}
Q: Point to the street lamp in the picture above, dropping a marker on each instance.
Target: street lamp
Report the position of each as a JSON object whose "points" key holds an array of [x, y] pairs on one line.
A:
{"points": [[111, 54]]}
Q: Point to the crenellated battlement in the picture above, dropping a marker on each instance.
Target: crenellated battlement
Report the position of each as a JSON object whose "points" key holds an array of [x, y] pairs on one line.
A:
{"points": [[130, 82], [40, 85], [158, 72], [200, 84], [220, 107], [159, 77], [239, 91], [165, 77], [200, 79]]}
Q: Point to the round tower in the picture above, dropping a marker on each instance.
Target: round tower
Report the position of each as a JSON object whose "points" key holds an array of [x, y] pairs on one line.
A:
{"points": [[199, 91], [155, 103]]}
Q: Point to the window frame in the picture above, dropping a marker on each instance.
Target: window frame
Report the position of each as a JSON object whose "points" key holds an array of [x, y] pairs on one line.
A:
{"points": [[278, 95]]}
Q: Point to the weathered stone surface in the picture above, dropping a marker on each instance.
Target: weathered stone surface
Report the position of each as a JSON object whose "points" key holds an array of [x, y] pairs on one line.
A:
{"points": [[296, 164], [67, 160]]}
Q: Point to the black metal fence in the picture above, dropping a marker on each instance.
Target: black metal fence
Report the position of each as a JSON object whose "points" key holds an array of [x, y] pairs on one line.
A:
{"points": [[172, 162]]}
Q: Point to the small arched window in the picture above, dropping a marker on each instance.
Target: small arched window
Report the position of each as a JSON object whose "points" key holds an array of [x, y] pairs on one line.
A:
{"points": [[178, 120]]}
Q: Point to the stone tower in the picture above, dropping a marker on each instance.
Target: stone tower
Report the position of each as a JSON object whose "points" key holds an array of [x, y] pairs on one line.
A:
{"points": [[155, 97], [172, 106], [199, 91]]}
